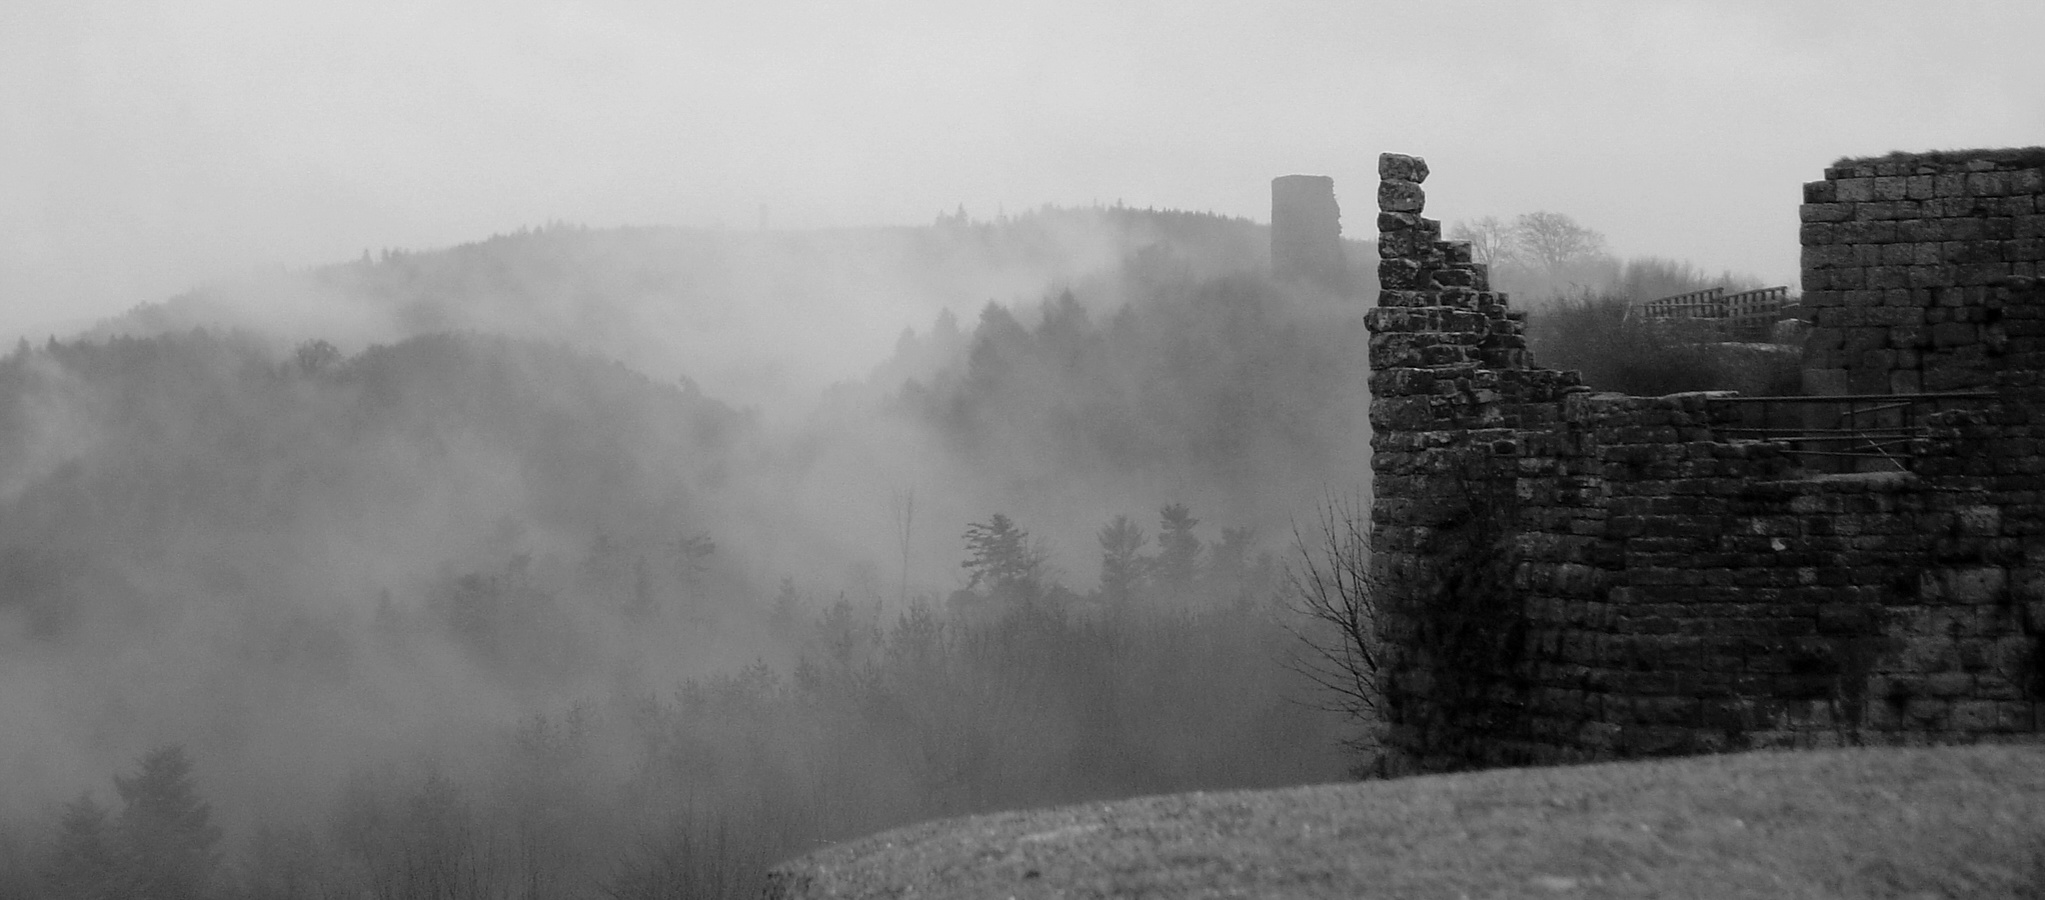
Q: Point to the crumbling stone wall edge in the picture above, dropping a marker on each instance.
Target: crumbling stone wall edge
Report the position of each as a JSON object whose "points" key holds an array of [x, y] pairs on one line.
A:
{"points": [[1649, 580]]}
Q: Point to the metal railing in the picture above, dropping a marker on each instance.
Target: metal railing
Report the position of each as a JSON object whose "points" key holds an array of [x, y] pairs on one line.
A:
{"points": [[1844, 433], [1746, 315]]}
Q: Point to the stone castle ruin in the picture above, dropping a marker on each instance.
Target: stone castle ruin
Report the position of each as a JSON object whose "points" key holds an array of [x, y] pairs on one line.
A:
{"points": [[1567, 575], [1306, 229]]}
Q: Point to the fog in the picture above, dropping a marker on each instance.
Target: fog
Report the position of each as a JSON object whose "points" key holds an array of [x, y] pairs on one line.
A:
{"points": [[602, 450], [150, 150], [372, 535]]}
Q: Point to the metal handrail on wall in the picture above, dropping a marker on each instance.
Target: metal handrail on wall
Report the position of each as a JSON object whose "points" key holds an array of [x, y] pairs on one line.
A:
{"points": [[1845, 432], [1746, 315]]}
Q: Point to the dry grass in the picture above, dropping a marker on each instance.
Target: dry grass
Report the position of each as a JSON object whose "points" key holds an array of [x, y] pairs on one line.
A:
{"points": [[1952, 822]]}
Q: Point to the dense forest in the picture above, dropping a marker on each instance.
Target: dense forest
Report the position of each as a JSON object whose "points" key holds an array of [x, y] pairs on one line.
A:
{"points": [[626, 562], [433, 592]]}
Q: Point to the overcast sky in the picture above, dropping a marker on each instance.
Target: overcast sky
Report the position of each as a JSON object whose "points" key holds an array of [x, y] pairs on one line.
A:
{"points": [[148, 147]]}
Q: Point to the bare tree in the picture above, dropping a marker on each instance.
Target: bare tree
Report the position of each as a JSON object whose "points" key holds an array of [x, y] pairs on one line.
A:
{"points": [[1552, 240], [1330, 587], [1491, 241]]}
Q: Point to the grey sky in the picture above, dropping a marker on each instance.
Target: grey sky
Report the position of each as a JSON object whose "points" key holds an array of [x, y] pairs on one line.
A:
{"points": [[146, 147]]}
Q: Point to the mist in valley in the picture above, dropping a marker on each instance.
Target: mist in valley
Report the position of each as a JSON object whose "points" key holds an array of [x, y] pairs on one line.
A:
{"points": [[428, 575], [603, 450]]}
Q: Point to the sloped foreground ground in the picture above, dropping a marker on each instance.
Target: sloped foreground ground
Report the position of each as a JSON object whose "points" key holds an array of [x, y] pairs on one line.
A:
{"points": [[1965, 822]]}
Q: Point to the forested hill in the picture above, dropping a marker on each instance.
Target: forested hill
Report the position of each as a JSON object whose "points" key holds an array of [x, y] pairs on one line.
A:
{"points": [[155, 480], [1239, 395], [445, 515], [752, 316]]}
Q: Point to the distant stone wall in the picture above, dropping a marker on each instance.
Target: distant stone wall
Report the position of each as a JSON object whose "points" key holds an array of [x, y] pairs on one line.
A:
{"points": [[1567, 575], [1306, 229], [1901, 256]]}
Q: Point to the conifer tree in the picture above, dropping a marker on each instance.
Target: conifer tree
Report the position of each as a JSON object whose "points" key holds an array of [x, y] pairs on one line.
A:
{"points": [[1002, 557], [84, 862], [1178, 557], [1121, 559], [166, 832]]}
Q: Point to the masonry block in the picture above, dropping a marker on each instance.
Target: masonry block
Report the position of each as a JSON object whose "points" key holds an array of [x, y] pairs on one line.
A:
{"points": [[1401, 196]]}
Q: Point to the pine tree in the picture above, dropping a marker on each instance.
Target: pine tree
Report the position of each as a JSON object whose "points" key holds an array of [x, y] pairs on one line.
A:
{"points": [[1178, 557], [83, 862], [1001, 556], [167, 832], [1121, 559]]}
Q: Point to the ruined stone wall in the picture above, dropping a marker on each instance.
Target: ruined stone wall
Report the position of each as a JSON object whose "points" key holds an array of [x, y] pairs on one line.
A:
{"points": [[1567, 575], [1900, 257]]}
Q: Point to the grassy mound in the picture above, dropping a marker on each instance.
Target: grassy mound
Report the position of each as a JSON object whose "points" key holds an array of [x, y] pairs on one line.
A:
{"points": [[1945, 822]]}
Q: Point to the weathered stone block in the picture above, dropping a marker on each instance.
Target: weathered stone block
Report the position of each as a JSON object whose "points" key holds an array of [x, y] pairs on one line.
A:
{"points": [[1401, 244], [1978, 585], [1928, 276], [1825, 212], [1825, 382], [1397, 221], [1827, 256], [1868, 381], [1405, 298], [1988, 184], [1401, 167], [1854, 190], [1863, 338], [1975, 716], [1946, 335], [1401, 196], [1453, 278], [1401, 274], [1983, 521], [1970, 251], [2016, 716], [1865, 231]]}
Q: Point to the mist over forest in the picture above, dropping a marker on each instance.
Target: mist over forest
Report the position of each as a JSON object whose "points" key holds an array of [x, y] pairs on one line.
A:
{"points": [[627, 561]]}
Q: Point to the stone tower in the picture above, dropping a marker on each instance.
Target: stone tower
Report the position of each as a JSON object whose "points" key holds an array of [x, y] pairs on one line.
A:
{"points": [[1306, 229]]}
